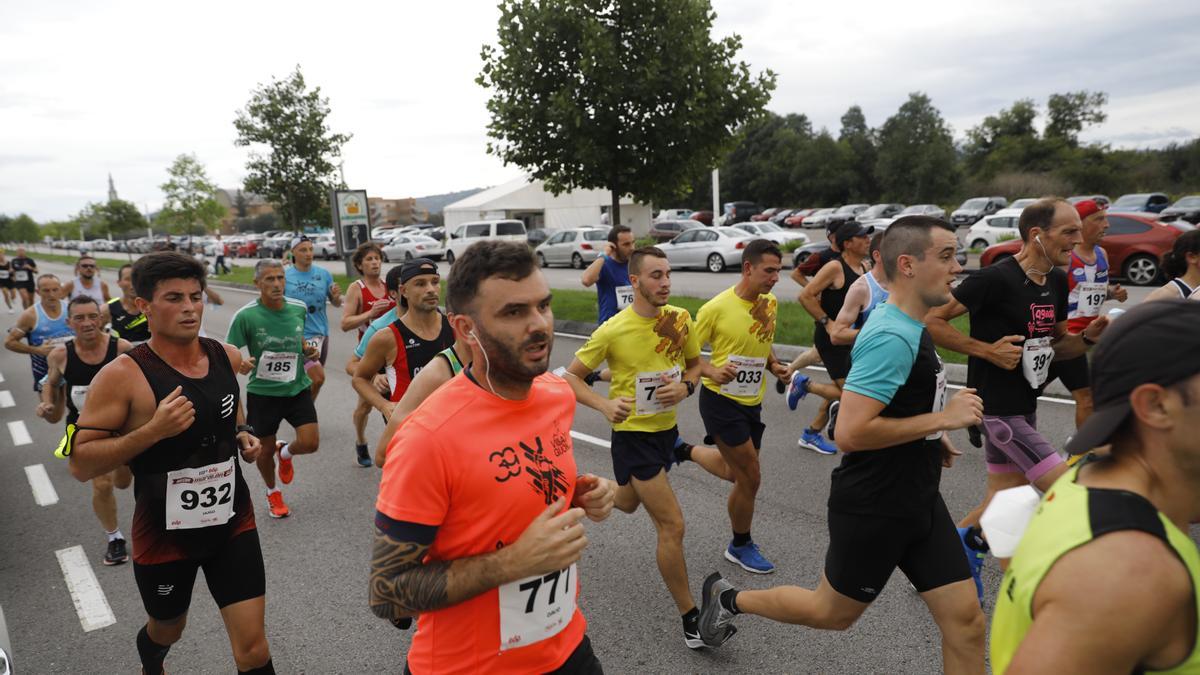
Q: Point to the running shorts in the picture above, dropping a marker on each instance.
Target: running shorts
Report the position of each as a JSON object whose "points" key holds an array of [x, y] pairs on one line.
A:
{"points": [[1072, 372], [642, 454], [730, 421], [234, 572], [264, 413], [835, 357], [1014, 445]]}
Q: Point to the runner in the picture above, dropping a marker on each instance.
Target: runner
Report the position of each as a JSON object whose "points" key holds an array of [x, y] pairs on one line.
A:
{"points": [[654, 355], [169, 409], [885, 508], [86, 283], [128, 322], [24, 271], [6, 282], [823, 298], [271, 328], [367, 299], [800, 274], [313, 285], [739, 324], [43, 326], [472, 533], [1121, 521], [72, 367], [1182, 266], [411, 341], [864, 295], [609, 273]]}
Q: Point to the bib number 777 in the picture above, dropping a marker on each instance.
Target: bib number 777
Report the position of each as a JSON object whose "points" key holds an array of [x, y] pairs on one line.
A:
{"points": [[537, 607]]}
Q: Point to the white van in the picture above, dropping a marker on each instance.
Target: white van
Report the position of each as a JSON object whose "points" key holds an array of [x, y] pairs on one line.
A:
{"points": [[466, 234]]}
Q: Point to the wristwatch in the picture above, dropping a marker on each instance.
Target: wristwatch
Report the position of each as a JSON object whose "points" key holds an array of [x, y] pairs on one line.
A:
{"points": [[246, 428], [691, 387], [1087, 340], [824, 321]]}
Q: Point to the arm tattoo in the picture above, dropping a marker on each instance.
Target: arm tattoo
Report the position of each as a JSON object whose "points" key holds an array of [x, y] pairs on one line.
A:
{"points": [[401, 585]]}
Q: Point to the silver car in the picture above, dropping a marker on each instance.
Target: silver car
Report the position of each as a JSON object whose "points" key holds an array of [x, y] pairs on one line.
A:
{"points": [[773, 232], [409, 246], [712, 248], [577, 247], [819, 218]]}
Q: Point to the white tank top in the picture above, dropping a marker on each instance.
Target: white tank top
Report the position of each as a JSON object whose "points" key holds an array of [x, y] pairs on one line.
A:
{"points": [[95, 292]]}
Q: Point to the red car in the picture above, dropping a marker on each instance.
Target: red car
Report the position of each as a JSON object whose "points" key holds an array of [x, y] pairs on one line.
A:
{"points": [[796, 219], [704, 217], [1134, 243], [765, 215]]}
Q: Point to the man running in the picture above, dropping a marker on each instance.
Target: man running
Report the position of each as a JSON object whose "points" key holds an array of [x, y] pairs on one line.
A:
{"points": [[477, 527], [1121, 521], [312, 285], [609, 273], [128, 322], [864, 295], [739, 324], [24, 271], [169, 409], [6, 282], [654, 355], [367, 299], [800, 274], [885, 508], [1182, 266], [410, 341], [71, 368], [43, 326], [271, 328], [86, 282]]}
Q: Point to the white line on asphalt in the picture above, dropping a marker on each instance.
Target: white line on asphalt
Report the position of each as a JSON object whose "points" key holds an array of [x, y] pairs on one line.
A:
{"points": [[39, 481], [1, 377], [19, 433], [90, 603], [6, 399], [591, 439]]}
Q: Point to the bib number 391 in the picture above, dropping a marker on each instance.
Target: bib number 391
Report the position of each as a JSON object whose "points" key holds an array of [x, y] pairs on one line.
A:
{"points": [[1036, 355], [536, 608], [200, 497]]}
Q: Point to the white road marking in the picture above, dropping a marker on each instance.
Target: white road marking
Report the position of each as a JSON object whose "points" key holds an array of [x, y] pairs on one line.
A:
{"points": [[6, 399], [19, 433], [90, 603], [591, 439], [1, 377], [39, 481]]}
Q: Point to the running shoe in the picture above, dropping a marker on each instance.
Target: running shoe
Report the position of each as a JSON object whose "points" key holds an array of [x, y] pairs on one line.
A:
{"points": [[278, 508], [286, 470], [364, 457], [797, 390], [691, 634], [974, 560], [116, 553], [813, 440], [832, 425], [975, 435], [716, 622], [749, 558], [682, 450]]}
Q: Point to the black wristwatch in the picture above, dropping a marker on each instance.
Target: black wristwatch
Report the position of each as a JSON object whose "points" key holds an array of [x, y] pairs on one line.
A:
{"points": [[691, 387], [1087, 340], [824, 321], [246, 428]]}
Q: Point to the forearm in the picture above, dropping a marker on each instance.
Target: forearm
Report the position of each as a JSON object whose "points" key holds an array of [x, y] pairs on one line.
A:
{"points": [[403, 587], [842, 333], [20, 347], [878, 433], [585, 394], [1069, 346], [947, 336], [100, 455], [370, 394], [352, 321], [592, 274], [811, 305]]}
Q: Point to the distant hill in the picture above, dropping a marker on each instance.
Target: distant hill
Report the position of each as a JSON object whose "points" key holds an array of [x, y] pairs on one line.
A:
{"points": [[435, 203]]}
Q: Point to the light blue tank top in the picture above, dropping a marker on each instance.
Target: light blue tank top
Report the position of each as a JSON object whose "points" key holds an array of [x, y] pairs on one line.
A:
{"points": [[879, 295], [47, 328]]}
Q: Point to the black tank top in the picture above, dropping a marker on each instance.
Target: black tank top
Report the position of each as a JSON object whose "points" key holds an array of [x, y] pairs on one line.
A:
{"points": [[80, 374], [210, 439], [832, 299], [132, 327]]}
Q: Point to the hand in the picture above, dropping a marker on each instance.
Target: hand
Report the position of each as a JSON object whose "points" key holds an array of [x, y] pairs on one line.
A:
{"points": [[377, 310], [1005, 352], [174, 415], [609, 249], [335, 291], [250, 446], [594, 495], [247, 366], [311, 352], [671, 392], [44, 410], [1116, 292], [1096, 328], [788, 372], [381, 384], [784, 373], [44, 349], [949, 453], [387, 410], [964, 409], [725, 375], [550, 543], [617, 410]]}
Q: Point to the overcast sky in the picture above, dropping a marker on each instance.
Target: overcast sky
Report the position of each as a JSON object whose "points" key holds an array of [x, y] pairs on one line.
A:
{"points": [[92, 88]]}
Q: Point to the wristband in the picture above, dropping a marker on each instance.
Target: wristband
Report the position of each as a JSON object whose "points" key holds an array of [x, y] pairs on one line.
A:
{"points": [[244, 427], [691, 387]]}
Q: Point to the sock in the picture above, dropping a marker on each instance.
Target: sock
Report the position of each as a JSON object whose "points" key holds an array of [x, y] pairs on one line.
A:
{"points": [[272, 491], [284, 453], [115, 535], [267, 668], [741, 539], [151, 653], [975, 540], [814, 431], [728, 600], [683, 451], [691, 619]]}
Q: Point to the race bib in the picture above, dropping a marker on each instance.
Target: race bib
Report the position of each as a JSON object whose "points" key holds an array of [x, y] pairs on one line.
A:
{"points": [[21, 275], [277, 366], [4, 274], [1092, 294], [200, 497], [1036, 355], [316, 342], [645, 388], [78, 396], [939, 397], [536, 608], [60, 340], [624, 296], [749, 377]]}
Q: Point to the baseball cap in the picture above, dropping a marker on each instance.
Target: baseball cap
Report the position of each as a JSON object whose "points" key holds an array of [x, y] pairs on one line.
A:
{"points": [[416, 267], [852, 229], [1154, 342], [299, 240], [1087, 207]]}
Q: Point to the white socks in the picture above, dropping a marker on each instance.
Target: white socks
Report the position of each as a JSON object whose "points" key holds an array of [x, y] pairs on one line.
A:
{"points": [[115, 535], [284, 453]]}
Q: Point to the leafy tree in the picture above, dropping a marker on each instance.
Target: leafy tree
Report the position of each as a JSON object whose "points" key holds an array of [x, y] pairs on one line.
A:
{"points": [[859, 144], [632, 96], [917, 158], [240, 205], [190, 206], [1068, 114], [297, 170], [24, 229], [5, 221], [1006, 140]]}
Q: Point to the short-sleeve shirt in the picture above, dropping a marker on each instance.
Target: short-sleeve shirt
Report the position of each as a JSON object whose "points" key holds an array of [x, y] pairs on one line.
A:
{"points": [[613, 276], [1002, 301], [738, 328], [480, 469], [636, 348], [278, 334], [375, 326], [312, 289]]}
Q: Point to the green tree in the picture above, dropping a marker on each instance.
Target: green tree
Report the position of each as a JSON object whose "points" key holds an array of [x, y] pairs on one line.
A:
{"points": [[189, 204], [631, 96], [1068, 114], [298, 169], [917, 158], [860, 147], [1007, 140], [23, 229], [5, 221]]}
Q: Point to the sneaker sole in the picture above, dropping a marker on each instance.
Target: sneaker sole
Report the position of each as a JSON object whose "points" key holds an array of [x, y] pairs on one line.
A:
{"points": [[733, 559], [693, 642], [277, 517], [814, 448], [113, 563]]}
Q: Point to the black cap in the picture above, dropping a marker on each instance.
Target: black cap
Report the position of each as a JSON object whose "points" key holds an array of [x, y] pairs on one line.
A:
{"points": [[852, 229], [299, 240], [1154, 342], [416, 267]]}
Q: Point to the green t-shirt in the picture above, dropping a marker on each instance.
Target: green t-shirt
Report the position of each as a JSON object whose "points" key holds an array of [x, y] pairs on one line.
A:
{"points": [[275, 338]]}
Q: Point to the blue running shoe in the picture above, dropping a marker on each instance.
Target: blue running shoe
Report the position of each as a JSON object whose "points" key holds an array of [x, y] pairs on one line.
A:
{"points": [[813, 440], [749, 558], [797, 390], [975, 561]]}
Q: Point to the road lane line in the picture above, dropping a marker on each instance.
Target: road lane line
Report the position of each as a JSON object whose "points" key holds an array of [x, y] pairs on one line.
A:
{"points": [[6, 399], [591, 439], [1, 377], [19, 433], [90, 603], [39, 481]]}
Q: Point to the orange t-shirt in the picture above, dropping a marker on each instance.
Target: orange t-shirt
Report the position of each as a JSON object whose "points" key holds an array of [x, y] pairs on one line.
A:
{"points": [[480, 469]]}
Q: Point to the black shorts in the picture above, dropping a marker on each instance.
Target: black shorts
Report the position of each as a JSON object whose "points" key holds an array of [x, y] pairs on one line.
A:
{"points": [[864, 550], [6, 283], [730, 421], [582, 661], [835, 357], [264, 413], [1072, 372], [234, 572], [642, 454]]}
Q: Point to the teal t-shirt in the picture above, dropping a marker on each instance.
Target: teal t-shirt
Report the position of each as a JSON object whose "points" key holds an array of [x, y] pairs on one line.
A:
{"points": [[884, 353], [375, 326], [275, 338]]}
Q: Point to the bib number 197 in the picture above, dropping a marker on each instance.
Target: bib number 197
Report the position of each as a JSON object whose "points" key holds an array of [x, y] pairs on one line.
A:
{"points": [[536, 608]]}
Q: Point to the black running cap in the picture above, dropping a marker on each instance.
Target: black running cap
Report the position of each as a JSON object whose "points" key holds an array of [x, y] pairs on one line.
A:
{"points": [[851, 229], [416, 267], [1154, 342]]}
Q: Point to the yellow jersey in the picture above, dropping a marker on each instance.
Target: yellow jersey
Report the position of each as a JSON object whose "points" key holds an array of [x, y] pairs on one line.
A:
{"points": [[741, 332]]}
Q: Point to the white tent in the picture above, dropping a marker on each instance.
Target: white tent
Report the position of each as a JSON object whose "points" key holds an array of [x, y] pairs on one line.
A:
{"points": [[528, 200]]}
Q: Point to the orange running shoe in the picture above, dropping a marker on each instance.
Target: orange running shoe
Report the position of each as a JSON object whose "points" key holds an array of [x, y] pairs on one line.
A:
{"points": [[286, 470], [278, 508]]}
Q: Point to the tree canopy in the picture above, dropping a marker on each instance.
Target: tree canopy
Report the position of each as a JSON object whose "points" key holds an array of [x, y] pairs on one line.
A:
{"points": [[189, 204]]}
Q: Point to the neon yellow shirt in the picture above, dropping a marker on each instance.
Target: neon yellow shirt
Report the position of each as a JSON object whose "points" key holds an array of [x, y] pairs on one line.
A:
{"points": [[742, 331]]}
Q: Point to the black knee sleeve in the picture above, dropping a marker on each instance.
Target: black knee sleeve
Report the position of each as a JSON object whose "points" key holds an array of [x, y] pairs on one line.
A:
{"points": [[151, 653]]}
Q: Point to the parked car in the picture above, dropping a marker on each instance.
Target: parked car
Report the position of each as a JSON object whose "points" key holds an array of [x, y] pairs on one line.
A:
{"points": [[818, 218], [1144, 202], [767, 214], [932, 210], [738, 212], [577, 247], [1135, 244], [711, 248], [409, 246], [773, 232], [468, 233], [673, 214], [1187, 208], [249, 247], [702, 217], [796, 218], [801, 254], [781, 215], [325, 246], [1100, 199], [878, 212], [669, 229], [993, 229], [845, 213], [276, 246], [1022, 202], [537, 235], [975, 208]]}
